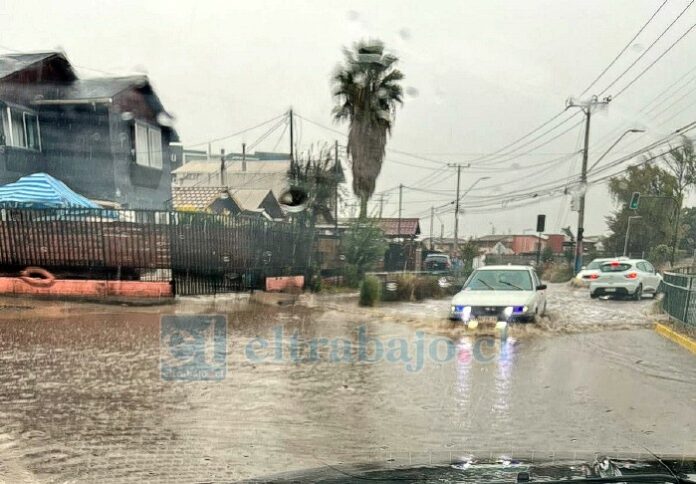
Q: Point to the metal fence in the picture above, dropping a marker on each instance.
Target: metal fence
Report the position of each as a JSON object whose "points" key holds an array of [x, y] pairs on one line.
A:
{"points": [[679, 299], [200, 253]]}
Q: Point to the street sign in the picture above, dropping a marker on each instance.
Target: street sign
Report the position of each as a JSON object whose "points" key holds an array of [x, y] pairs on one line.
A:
{"points": [[574, 203], [635, 199]]}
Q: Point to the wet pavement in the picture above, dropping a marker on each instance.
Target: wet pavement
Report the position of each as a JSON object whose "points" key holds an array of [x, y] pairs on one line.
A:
{"points": [[82, 398]]}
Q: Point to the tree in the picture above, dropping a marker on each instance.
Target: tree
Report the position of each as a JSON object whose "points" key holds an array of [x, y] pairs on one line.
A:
{"points": [[362, 246], [680, 161], [469, 251], [367, 91], [313, 180], [547, 254], [654, 227]]}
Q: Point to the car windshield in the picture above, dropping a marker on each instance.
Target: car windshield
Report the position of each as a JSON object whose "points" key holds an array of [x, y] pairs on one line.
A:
{"points": [[241, 239], [500, 280]]}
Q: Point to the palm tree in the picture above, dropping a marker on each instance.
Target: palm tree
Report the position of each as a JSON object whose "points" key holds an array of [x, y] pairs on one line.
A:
{"points": [[367, 90]]}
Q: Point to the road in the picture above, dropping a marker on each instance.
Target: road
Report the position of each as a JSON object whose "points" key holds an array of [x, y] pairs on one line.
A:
{"points": [[82, 397]]}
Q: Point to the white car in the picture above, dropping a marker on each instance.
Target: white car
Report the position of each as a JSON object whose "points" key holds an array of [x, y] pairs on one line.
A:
{"points": [[626, 277], [590, 271], [497, 294]]}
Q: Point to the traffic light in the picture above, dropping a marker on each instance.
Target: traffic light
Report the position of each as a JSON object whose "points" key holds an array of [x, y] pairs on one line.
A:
{"points": [[635, 199], [541, 223]]}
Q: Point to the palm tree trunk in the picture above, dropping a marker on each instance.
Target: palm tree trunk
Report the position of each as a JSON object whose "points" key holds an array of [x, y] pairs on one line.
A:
{"points": [[363, 207]]}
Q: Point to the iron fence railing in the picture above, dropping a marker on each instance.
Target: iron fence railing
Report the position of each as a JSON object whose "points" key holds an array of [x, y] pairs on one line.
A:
{"points": [[679, 299], [200, 253]]}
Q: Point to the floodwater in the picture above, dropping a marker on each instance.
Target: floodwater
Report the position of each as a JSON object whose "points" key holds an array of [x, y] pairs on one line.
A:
{"points": [[82, 397]]}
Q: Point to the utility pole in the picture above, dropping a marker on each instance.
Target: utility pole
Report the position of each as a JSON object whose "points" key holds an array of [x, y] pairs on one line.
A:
{"points": [[336, 189], [456, 209], [222, 167], [398, 225], [381, 205], [432, 216], [243, 156], [292, 138], [586, 107]]}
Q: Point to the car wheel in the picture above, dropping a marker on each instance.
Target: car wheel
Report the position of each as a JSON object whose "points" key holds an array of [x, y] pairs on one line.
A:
{"points": [[593, 295], [639, 293]]}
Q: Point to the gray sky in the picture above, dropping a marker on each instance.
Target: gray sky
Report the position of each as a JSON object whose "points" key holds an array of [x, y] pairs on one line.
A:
{"points": [[480, 73]]}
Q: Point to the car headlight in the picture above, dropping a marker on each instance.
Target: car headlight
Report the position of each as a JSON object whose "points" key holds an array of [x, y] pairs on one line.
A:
{"points": [[466, 313], [508, 311]]}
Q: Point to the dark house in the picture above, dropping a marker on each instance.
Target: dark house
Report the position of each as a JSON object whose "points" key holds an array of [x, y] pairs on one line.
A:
{"points": [[107, 138]]}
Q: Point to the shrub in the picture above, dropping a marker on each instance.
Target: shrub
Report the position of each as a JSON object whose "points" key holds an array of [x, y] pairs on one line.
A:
{"points": [[558, 273], [370, 291], [414, 288]]}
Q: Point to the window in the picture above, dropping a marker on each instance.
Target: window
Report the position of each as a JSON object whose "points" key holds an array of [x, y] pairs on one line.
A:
{"points": [[31, 131], [21, 129], [148, 146]]}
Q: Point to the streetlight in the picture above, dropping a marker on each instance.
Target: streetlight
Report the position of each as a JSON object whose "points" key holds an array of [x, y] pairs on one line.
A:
{"points": [[614, 144], [473, 185], [628, 231]]}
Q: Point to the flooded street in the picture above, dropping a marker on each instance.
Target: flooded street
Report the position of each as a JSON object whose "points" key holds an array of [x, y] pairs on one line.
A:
{"points": [[82, 398]]}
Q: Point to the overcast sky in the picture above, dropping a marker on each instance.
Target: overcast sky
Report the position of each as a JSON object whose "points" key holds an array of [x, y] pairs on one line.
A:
{"points": [[479, 74]]}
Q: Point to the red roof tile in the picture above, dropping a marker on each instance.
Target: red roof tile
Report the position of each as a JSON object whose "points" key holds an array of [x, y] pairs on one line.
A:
{"points": [[409, 227]]}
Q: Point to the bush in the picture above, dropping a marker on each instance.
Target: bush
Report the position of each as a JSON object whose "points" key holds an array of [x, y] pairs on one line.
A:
{"points": [[414, 288], [558, 273], [370, 291], [350, 276]]}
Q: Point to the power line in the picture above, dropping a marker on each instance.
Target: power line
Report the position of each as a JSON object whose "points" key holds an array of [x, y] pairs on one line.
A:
{"points": [[628, 44], [656, 60], [232, 135], [647, 50]]}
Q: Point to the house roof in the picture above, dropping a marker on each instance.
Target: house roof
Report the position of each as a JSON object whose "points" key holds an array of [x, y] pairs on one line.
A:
{"points": [[407, 227], [11, 63], [198, 166], [96, 88], [277, 182], [250, 199], [198, 198], [74, 89], [492, 238]]}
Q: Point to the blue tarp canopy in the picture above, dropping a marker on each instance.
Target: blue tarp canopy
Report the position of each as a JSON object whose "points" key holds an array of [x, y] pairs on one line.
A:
{"points": [[40, 190]]}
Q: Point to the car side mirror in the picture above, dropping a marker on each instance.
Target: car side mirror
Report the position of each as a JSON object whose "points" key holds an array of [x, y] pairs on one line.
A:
{"points": [[541, 287], [583, 268]]}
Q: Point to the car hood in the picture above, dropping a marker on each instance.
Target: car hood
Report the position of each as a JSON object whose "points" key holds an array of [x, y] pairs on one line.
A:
{"points": [[493, 298], [503, 469]]}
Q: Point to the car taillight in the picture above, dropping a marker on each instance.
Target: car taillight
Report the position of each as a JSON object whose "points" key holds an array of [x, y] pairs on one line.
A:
{"points": [[594, 276], [631, 275]]}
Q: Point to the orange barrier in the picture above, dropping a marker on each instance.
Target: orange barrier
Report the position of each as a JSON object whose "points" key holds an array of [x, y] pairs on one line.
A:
{"points": [[85, 288], [274, 284]]}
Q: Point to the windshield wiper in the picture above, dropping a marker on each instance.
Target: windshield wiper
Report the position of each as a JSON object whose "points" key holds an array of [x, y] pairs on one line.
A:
{"points": [[511, 285], [523, 477], [486, 284]]}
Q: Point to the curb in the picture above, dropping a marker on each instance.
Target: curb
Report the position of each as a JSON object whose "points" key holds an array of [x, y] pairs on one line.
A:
{"points": [[678, 338]]}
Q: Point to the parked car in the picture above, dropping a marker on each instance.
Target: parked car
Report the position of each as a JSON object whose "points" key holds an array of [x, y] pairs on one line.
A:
{"points": [[627, 278], [500, 294], [591, 271], [437, 263]]}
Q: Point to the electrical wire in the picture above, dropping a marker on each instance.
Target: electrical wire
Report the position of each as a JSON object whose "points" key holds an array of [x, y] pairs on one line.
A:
{"points": [[625, 48]]}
